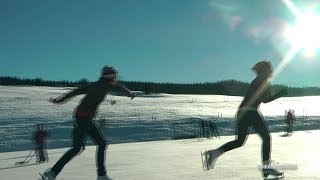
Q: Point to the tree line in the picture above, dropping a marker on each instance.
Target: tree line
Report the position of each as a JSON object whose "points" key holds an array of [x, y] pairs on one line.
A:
{"points": [[224, 87]]}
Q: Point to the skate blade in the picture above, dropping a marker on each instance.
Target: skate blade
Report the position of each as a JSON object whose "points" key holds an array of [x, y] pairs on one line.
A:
{"points": [[204, 161], [19, 163], [42, 177], [273, 177]]}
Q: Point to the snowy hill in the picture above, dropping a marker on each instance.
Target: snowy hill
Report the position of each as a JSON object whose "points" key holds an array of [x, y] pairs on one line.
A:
{"points": [[298, 156]]}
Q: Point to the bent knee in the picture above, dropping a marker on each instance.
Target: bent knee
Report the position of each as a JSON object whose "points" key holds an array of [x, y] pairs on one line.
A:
{"points": [[240, 142], [78, 149]]}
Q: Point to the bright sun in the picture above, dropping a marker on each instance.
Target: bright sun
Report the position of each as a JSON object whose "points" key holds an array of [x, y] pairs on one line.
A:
{"points": [[304, 34]]}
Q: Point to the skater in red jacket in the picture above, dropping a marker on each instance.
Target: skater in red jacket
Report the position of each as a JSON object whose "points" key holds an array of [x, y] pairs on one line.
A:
{"points": [[40, 137], [84, 125]]}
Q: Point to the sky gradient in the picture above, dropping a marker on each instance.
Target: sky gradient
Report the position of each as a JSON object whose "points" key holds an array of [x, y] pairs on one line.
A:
{"points": [[180, 41]]}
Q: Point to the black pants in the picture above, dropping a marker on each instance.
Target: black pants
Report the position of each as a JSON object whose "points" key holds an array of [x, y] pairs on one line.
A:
{"points": [[41, 153], [245, 119], [82, 128]]}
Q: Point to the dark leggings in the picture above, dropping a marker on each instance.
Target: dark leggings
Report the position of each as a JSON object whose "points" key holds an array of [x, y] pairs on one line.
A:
{"points": [[82, 128], [41, 153], [245, 119]]}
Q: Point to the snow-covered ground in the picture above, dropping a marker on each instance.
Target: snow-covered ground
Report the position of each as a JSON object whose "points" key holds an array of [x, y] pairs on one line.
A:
{"points": [[151, 118], [147, 117], [298, 157]]}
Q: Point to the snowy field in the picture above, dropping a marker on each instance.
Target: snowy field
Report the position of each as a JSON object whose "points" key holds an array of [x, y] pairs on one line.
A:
{"points": [[298, 156], [146, 118]]}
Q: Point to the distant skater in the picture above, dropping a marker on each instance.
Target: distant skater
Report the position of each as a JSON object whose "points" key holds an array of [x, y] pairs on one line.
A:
{"points": [[248, 115], [213, 129], [84, 125], [202, 128], [40, 137], [207, 129], [289, 120]]}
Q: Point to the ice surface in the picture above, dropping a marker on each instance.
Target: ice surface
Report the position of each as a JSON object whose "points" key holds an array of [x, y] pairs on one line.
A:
{"points": [[298, 157]]}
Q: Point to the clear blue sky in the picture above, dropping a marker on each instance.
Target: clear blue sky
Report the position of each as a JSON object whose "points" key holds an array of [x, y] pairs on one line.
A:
{"points": [[182, 41]]}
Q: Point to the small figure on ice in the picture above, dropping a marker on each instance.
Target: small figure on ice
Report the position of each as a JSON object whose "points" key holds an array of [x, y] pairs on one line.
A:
{"points": [[213, 129], [84, 124], [40, 137], [248, 115], [289, 121]]}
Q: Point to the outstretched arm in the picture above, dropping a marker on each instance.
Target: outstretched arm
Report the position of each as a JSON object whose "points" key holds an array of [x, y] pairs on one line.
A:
{"points": [[279, 94], [125, 90], [67, 96]]}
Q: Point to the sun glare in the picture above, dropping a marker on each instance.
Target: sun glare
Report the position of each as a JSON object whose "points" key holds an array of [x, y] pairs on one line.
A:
{"points": [[304, 33]]}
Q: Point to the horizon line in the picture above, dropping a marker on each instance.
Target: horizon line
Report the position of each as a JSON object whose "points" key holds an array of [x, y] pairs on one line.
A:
{"points": [[181, 83]]}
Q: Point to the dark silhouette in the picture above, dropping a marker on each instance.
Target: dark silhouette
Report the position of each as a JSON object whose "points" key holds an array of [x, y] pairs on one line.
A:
{"points": [[208, 129], [205, 129], [213, 129], [40, 138], [202, 128], [84, 124], [248, 115], [289, 120]]}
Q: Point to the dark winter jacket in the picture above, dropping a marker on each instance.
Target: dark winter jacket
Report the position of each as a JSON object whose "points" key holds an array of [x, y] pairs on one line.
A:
{"points": [[94, 93], [259, 91], [40, 137]]}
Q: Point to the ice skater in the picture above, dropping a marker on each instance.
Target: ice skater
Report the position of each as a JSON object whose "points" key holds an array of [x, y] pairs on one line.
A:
{"points": [[84, 125], [213, 129], [289, 120], [40, 137], [248, 115]]}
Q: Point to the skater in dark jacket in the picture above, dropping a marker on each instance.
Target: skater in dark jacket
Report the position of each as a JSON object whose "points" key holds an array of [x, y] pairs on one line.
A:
{"points": [[84, 114], [248, 115], [40, 137], [290, 119], [213, 129]]}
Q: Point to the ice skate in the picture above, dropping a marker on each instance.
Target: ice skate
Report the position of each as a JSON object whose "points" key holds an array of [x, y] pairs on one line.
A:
{"points": [[270, 172], [106, 177], [41, 161], [48, 175], [209, 158], [212, 156]]}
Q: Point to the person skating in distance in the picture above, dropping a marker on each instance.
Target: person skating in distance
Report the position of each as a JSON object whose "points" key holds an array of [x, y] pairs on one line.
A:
{"points": [[84, 125], [248, 115], [40, 138], [290, 119]]}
